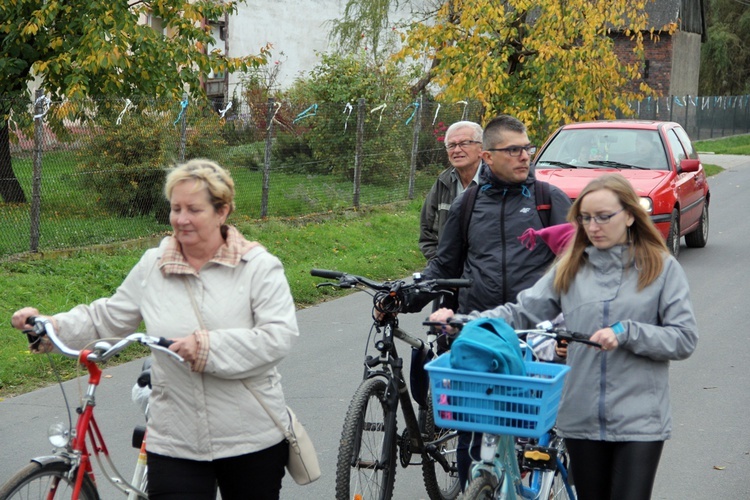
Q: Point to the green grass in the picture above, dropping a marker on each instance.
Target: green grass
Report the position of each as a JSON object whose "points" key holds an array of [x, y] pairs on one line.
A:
{"points": [[380, 243], [735, 145]]}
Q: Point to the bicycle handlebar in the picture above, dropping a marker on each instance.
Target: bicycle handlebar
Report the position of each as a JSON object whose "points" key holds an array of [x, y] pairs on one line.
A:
{"points": [[545, 328], [394, 296], [102, 351]]}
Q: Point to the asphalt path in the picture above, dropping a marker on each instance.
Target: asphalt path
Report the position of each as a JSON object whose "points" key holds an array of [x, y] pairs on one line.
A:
{"points": [[708, 456]]}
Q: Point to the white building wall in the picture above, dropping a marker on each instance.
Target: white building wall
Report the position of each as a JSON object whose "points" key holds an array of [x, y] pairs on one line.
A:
{"points": [[298, 29]]}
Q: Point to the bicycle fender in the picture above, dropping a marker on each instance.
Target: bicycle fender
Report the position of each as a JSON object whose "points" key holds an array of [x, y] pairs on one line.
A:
{"points": [[49, 459]]}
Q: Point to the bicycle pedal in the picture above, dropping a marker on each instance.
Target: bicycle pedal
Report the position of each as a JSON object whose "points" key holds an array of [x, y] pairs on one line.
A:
{"points": [[540, 457]]}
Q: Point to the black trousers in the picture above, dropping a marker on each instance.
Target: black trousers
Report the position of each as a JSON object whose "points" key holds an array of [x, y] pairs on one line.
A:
{"points": [[468, 450], [255, 476], [607, 470]]}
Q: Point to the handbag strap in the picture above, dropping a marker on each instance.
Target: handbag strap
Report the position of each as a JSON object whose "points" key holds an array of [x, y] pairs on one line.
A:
{"points": [[287, 433]]}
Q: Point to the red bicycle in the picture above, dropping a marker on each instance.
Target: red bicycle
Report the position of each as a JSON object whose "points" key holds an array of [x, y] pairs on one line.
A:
{"points": [[68, 472]]}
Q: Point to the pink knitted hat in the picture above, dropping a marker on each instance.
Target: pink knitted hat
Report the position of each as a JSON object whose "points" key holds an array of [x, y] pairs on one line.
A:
{"points": [[556, 237]]}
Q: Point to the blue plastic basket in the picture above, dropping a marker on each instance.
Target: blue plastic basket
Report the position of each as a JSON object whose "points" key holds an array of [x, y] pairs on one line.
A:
{"points": [[493, 403]]}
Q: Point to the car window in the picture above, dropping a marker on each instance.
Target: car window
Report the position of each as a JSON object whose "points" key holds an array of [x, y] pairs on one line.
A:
{"points": [[678, 153], [580, 147], [686, 143]]}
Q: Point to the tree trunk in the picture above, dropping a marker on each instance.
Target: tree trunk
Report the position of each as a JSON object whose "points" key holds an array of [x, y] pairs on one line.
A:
{"points": [[10, 188]]}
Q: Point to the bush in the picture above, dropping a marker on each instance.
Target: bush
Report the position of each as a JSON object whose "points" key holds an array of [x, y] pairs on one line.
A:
{"points": [[340, 80], [249, 156], [125, 165]]}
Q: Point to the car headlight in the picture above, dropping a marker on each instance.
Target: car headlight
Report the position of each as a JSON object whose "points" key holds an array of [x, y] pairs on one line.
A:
{"points": [[59, 435], [647, 204]]}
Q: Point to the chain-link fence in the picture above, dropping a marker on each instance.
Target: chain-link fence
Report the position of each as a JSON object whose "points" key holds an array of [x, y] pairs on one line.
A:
{"points": [[91, 172], [703, 117]]}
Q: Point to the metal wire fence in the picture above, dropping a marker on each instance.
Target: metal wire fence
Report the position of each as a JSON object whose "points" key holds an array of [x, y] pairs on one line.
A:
{"points": [[82, 173]]}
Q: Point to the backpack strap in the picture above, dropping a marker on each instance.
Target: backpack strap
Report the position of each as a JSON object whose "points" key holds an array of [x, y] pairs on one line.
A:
{"points": [[543, 201], [467, 207], [543, 207]]}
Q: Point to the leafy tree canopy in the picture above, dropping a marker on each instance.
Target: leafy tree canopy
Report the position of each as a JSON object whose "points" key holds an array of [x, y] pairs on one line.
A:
{"points": [[725, 57], [80, 48], [92, 48], [546, 61]]}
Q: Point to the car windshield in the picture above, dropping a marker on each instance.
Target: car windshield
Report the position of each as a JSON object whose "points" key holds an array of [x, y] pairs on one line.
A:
{"points": [[615, 148]]}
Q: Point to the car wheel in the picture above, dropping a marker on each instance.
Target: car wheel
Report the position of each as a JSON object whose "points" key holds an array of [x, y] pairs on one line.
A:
{"points": [[699, 237], [673, 240]]}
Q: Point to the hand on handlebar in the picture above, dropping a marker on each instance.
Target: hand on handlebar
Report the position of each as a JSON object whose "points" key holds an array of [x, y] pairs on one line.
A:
{"points": [[19, 320], [443, 315], [607, 338]]}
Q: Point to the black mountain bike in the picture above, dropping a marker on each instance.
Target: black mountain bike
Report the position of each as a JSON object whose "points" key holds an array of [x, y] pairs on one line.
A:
{"points": [[371, 444]]}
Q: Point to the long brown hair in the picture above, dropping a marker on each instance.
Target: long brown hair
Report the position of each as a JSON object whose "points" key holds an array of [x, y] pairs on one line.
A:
{"points": [[647, 246]]}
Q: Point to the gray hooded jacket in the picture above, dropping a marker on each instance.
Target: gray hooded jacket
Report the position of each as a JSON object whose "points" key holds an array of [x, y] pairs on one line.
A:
{"points": [[620, 395]]}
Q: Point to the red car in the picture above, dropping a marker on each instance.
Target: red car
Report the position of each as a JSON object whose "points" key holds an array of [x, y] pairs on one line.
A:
{"points": [[656, 157]]}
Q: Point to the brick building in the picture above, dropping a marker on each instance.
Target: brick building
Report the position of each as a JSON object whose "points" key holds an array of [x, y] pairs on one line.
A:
{"points": [[672, 63]]}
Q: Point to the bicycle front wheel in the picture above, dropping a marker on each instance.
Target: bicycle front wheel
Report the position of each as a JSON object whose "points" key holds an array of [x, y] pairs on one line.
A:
{"points": [[559, 486], [366, 465], [484, 487], [45, 482], [441, 484]]}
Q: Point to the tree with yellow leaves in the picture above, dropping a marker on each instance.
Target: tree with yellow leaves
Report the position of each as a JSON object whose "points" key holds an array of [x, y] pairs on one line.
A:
{"points": [[547, 62], [85, 48]]}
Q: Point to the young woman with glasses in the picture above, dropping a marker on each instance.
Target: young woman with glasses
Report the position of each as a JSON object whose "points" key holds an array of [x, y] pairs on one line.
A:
{"points": [[617, 281]]}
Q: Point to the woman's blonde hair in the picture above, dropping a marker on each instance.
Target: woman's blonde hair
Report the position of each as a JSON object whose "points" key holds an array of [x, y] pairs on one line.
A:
{"points": [[208, 175], [646, 244]]}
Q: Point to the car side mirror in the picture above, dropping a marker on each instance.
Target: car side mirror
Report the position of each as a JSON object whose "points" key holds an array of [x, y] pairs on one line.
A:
{"points": [[688, 165]]}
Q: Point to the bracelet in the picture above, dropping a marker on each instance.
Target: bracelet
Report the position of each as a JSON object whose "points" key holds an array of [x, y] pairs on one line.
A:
{"points": [[617, 328]]}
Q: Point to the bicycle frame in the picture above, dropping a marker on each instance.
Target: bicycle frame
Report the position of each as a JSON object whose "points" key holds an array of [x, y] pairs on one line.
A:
{"points": [[498, 456], [86, 429], [397, 387], [71, 462]]}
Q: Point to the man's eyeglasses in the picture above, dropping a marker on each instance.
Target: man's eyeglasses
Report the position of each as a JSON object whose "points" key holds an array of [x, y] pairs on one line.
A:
{"points": [[516, 150], [599, 219], [463, 145]]}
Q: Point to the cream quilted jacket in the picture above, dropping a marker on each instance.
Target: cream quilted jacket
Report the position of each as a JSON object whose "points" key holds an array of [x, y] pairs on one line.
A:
{"points": [[250, 315]]}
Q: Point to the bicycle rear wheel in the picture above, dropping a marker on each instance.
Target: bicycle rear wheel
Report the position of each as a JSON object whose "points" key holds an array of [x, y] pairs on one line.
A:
{"points": [[439, 483], [484, 487], [37, 481], [364, 469]]}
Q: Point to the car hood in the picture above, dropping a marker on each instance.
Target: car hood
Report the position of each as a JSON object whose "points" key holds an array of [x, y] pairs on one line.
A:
{"points": [[573, 180]]}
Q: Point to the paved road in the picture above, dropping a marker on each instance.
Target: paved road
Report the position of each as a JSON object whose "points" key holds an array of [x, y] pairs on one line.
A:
{"points": [[708, 457]]}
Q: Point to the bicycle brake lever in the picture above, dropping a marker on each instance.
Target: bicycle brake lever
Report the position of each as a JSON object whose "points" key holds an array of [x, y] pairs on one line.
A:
{"points": [[33, 338]]}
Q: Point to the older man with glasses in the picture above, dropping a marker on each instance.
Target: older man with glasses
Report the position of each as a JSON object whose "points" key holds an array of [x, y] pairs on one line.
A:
{"points": [[463, 142]]}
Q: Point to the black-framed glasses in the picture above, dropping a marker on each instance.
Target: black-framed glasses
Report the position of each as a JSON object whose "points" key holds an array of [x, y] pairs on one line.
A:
{"points": [[516, 150], [463, 145], [599, 219]]}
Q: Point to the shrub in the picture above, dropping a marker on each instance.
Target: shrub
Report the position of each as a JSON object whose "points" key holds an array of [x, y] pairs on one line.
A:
{"points": [[331, 132], [125, 165]]}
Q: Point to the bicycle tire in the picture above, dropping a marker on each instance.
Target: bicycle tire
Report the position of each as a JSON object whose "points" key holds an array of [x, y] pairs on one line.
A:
{"points": [[559, 491], [440, 484], [553, 485], [361, 469], [484, 487], [37, 481]]}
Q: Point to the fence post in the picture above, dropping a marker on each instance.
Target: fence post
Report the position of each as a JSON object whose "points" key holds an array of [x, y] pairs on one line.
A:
{"points": [[415, 147], [36, 176], [183, 128], [267, 158], [359, 151]]}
